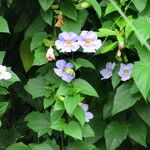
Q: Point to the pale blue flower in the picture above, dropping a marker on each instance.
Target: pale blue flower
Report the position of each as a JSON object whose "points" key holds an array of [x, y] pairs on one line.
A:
{"points": [[125, 71], [67, 42], [88, 115], [64, 70], [89, 41], [4, 75], [107, 72]]}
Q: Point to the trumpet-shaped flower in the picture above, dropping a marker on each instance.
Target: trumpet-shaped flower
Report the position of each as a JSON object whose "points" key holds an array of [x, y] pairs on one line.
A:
{"points": [[125, 71], [50, 54], [107, 72], [88, 115], [67, 42], [4, 75], [89, 41], [64, 70]]}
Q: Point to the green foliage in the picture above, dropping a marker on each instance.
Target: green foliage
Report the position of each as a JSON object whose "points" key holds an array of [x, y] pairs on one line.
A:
{"points": [[123, 99], [4, 26], [84, 87], [18, 146], [115, 134]]}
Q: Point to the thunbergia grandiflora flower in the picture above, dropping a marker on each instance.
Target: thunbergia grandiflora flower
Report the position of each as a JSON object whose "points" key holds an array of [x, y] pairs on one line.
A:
{"points": [[107, 72], [65, 70], [89, 41], [88, 115], [50, 54], [67, 42], [4, 75], [125, 71]]}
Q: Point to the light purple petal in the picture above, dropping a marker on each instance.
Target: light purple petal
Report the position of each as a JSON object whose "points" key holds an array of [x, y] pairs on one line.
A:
{"points": [[59, 44], [125, 71], [68, 77], [59, 72], [61, 64], [87, 35], [7, 75], [88, 49], [110, 66], [125, 77], [85, 107], [97, 44], [68, 65], [106, 73], [88, 116]]}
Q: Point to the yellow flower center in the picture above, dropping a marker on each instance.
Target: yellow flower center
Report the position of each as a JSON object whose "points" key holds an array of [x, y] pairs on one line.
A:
{"points": [[88, 42], [126, 71], [68, 42], [69, 71]]}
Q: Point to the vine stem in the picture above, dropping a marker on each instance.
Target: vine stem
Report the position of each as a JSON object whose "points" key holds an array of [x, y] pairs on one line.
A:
{"points": [[118, 19], [62, 141], [137, 33]]}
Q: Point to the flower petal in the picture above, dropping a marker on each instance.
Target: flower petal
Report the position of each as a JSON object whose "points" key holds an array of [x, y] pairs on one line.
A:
{"points": [[59, 72], [61, 64]]}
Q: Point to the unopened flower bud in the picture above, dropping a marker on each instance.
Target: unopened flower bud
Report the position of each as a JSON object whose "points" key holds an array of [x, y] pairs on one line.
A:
{"points": [[118, 53], [50, 54], [121, 45]]}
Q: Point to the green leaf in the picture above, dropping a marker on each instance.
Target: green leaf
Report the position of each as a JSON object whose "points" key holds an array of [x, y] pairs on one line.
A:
{"points": [[80, 145], [3, 25], [138, 132], [85, 87], [64, 89], [141, 76], [58, 125], [37, 40], [106, 47], [18, 146], [142, 24], [3, 107], [36, 26], [96, 6], [69, 11], [109, 9], [36, 87], [80, 62], [73, 129], [26, 55], [75, 26], [48, 102], [3, 91], [40, 56], [2, 55], [22, 22], [47, 16], [80, 115], [115, 134], [140, 5], [105, 32], [38, 122], [143, 111], [4, 140], [71, 102], [123, 99], [87, 131], [98, 127], [115, 78], [143, 52], [46, 4], [48, 145]]}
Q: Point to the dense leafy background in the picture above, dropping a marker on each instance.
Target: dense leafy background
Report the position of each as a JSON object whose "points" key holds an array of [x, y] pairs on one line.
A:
{"points": [[39, 111]]}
